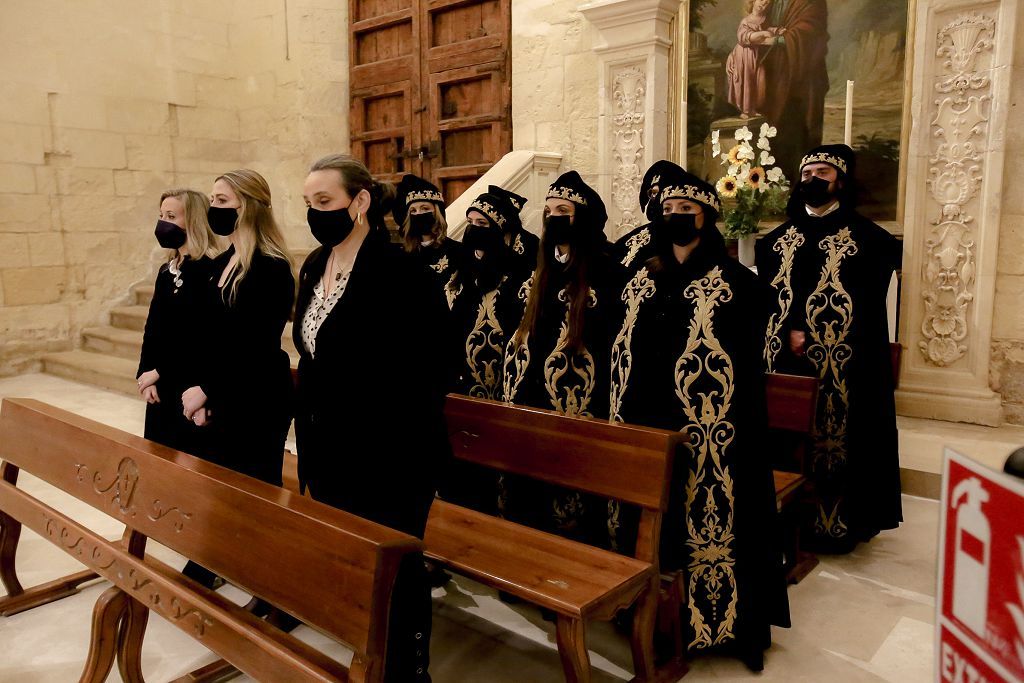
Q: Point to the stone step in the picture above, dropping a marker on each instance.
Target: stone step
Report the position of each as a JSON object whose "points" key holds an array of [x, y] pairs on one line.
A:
{"points": [[101, 370], [143, 294], [129, 317], [113, 341]]}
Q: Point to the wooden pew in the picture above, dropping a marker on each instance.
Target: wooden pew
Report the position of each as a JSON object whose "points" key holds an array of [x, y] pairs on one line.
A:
{"points": [[576, 581], [330, 569], [792, 402]]}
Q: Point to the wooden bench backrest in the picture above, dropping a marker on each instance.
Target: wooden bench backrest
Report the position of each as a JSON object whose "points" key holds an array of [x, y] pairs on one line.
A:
{"points": [[332, 570], [624, 462], [792, 402]]}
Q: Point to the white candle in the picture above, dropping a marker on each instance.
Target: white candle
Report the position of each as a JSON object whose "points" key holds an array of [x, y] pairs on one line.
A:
{"points": [[848, 131]]}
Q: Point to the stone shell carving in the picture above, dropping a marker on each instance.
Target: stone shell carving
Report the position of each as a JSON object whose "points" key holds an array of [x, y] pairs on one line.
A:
{"points": [[959, 133], [629, 92]]}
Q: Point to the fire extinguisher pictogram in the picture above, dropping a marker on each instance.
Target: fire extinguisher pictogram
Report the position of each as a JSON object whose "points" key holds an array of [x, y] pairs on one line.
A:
{"points": [[972, 560]]}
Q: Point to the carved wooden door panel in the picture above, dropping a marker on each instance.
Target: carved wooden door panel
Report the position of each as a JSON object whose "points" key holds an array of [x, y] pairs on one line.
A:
{"points": [[431, 88], [467, 58], [385, 86]]}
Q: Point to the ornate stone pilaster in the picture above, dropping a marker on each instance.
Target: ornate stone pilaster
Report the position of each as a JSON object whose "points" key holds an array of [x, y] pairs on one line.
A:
{"points": [[963, 56], [633, 63]]}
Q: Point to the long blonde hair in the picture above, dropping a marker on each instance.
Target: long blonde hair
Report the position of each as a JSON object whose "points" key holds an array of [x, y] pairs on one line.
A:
{"points": [[200, 239], [438, 234], [256, 228]]}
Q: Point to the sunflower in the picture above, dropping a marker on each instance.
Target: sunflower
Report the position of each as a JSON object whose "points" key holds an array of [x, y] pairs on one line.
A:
{"points": [[727, 187], [734, 155], [756, 177]]}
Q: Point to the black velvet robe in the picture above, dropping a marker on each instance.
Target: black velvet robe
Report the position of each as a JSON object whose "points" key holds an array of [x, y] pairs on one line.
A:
{"points": [[634, 247], [829, 278], [441, 259], [687, 358], [523, 246], [482, 324], [169, 346], [247, 376], [542, 373]]}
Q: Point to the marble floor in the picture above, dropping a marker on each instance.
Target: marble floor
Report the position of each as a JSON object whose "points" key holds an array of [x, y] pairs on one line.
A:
{"points": [[865, 617]]}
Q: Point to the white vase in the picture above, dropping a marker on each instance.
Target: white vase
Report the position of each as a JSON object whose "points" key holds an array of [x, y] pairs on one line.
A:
{"points": [[745, 248]]}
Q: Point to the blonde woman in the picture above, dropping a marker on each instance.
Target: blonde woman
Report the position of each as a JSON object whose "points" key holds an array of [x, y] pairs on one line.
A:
{"points": [[166, 362], [244, 387]]}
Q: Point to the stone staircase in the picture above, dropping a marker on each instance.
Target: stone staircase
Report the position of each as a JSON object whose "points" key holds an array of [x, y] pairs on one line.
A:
{"points": [[109, 357]]}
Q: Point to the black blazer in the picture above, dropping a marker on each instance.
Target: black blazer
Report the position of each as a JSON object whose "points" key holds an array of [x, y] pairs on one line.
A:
{"points": [[369, 422]]}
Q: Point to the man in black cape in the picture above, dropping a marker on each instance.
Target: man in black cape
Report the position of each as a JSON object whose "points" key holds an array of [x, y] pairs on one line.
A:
{"points": [[637, 242], [829, 269]]}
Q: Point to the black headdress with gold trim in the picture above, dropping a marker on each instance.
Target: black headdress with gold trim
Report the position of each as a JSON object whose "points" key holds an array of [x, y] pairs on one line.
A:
{"points": [[589, 206], [414, 189], [655, 177]]}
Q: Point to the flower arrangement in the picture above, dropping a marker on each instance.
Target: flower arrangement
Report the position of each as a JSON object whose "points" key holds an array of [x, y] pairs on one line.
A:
{"points": [[749, 192]]}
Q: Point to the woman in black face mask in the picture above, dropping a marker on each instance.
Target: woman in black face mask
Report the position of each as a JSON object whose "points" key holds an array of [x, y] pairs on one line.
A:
{"points": [[167, 366], [486, 312], [637, 242], [558, 357], [369, 425], [687, 358], [419, 212]]}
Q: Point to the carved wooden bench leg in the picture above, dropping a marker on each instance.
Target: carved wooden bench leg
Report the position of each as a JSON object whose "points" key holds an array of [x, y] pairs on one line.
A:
{"points": [[642, 638], [10, 532], [570, 634], [670, 627], [129, 647], [103, 642], [18, 599]]}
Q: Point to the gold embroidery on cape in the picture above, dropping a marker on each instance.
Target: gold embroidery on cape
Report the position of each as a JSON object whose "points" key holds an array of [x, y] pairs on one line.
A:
{"points": [[634, 244], [829, 317], [576, 396], [441, 265], [786, 246], [709, 522], [486, 336], [451, 291], [640, 288], [517, 245], [517, 359]]}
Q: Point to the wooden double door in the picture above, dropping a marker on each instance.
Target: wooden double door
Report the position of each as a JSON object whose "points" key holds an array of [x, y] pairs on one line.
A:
{"points": [[431, 88]]}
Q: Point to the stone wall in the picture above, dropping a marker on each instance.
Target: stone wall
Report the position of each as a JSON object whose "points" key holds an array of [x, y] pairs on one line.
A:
{"points": [[1007, 368], [555, 83], [103, 104]]}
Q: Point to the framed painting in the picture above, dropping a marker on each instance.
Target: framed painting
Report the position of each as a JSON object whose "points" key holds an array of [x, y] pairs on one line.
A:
{"points": [[787, 63]]}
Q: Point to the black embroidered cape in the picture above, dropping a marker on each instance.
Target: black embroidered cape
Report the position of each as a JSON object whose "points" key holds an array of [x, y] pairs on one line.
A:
{"points": [[543, 373], [441, 259], [829, 278], [627, 249], [687, 358]]}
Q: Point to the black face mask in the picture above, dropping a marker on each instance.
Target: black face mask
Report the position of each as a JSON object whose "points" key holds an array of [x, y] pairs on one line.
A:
{"points": [[487, 240], [169, 235], [421, 224], [815, 192], [558, 230], [223, 220], [679, 228], [330, 228]]}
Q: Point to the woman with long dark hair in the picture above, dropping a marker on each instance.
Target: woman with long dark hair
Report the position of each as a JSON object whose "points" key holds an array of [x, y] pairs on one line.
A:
{"points": [[369, 424], [558, 356]]}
